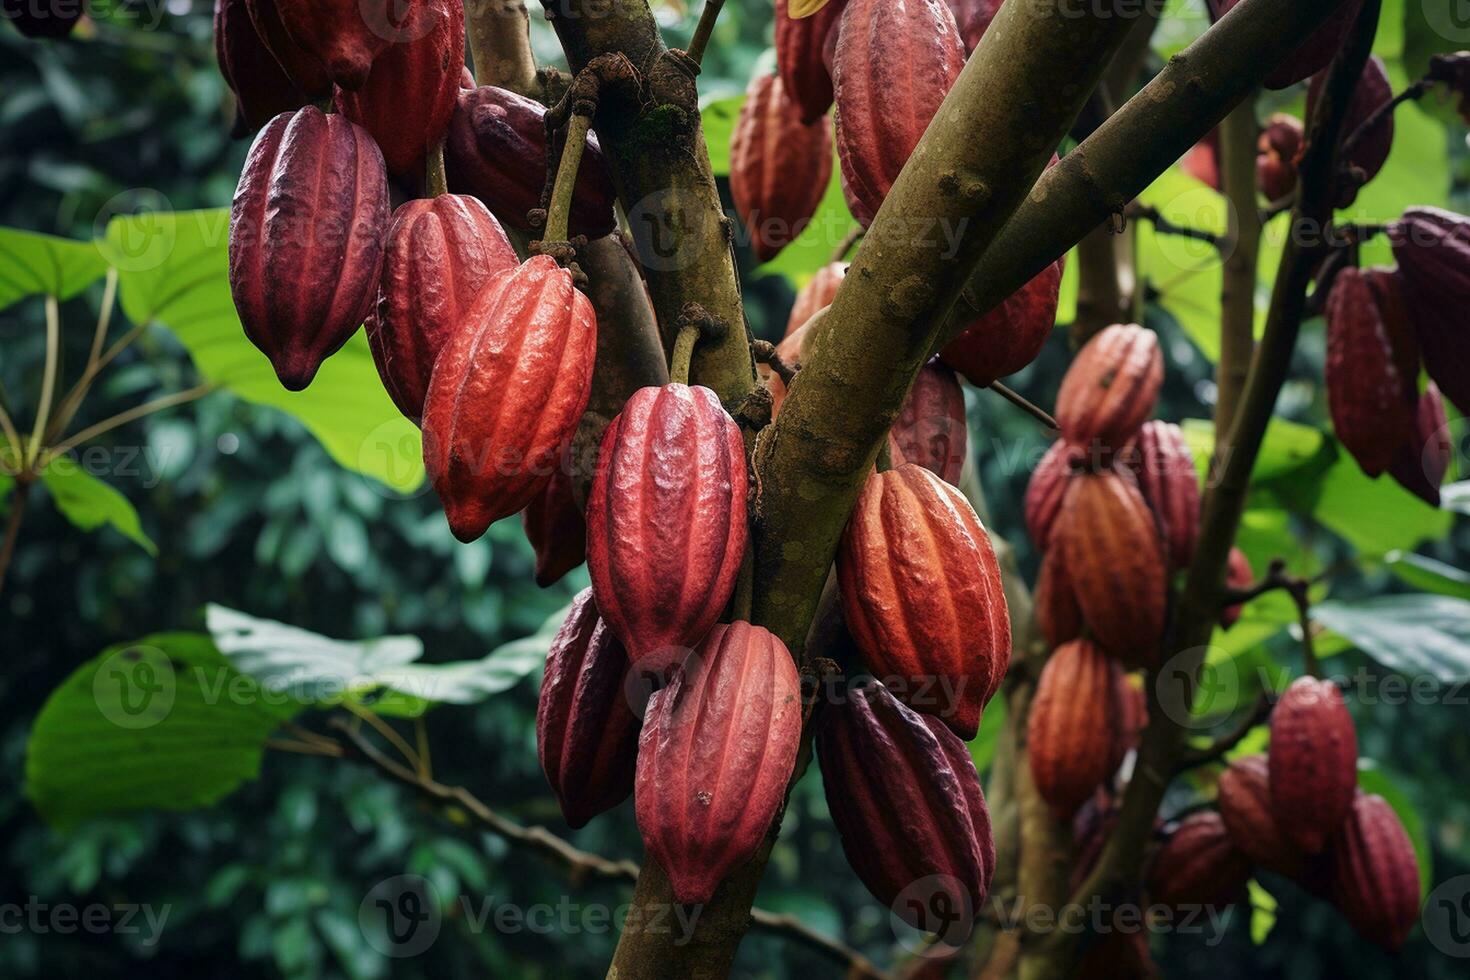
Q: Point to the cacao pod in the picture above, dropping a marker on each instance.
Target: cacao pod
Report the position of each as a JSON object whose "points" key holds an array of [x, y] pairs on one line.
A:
{"points": [[800, 60], [1111, 386], [779, 167], [893, 64], [496, 150], [1433, 250], [306, 239], [1313, 762], [1115, 560], [1132, 707], [1244, 800], [818, 293], [1375, 872], [973, 18], [717, 749], [1057, 612], [1199, 865], [1453, 72], [907, 804], [1276, 152], [1372, 372], [439, 256], [1202, 162], [46, 21], [1047, 487], [1313, 54], [345, 36], [1164, 465], [1009, 337], [1092, 826], [586, 731], [1238, 575], [666, 521], [922, 595], [262, 89], [1421, 465], [1366, 157], [422, 71], [506, 393], [930, 429], [303, 69], [1074, 725], [792, 352], [556, 529]]}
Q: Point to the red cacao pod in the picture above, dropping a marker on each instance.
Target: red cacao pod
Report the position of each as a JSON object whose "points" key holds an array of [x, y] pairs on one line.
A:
{"points": [[973, 18], [1073, 728], [506, 394], [1202, 162], [1369, 152], [1057, 611], [1199, 865], [42, 20], [881, 761], [1372, 367], [666, 521], [306, 239], [1276, 151], [1238, 575], [496, 150], [586, 731], [1313, 54], [1375, 872], [717, 749], [1131, 706], [930, 429], [1433, 250], [893, 64], [1111, 386], [800, 60], [817, 294], [1115, 560], [345, 36], [439, 256], [1009, 337], [1313, 762], [1164, 465], [779, 167], [922, 595], [556, 529], [422, 71], [1421, 465], [1244, 799], [261, 86], [302, 68], [1046, 489]]}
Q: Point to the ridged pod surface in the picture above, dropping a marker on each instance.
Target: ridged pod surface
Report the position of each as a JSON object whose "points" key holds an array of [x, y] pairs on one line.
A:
{"points": [[262, 88], [666, 521], [556, 529], [1244, 799], [1238, 575], [1313, 762], [306, 239], [1046, 489], [586, 731], [1057, 612], [1072, 731], [1433, 251], [1164, 464], [1375, 872], [931, 429], [1115, 560], [421, 71], [1372, 372], [440, 254], [907, 804], [816, 295], [1009, 337], [779, 167], [1420, 467], [800, 60], [1315, 52], [922, 595], [496, 150], [717, 750], [1199, 865], [506, 394], [302, 68], [1370, 152], [893, 64], [345, 36], [1111, 387]]}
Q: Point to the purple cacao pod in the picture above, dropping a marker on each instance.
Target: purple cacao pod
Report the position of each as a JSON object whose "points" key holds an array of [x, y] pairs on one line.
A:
{"points": [[1433, 251], [1047, 487], [1199, 865], [973, 18], [1375, 872], [302, 68], [346, 36], [1420, 467], [1369, 152], [261, 86], [556, 529], [1313, 762]]}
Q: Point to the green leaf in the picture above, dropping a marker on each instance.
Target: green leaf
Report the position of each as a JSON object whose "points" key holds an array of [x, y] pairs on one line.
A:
{"points": [[1263, 912], [1376, 516], [89, 503], [1287, 447], [1372, 778], [174, 269], [992, 723], [717, 118], [164, 723], [1416, 634], [1428, 574], [1186, 272], [34, 264]]}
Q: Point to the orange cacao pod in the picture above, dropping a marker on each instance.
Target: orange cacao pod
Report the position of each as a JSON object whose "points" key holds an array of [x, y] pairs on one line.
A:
{"points": [[1375, 872], [506, 394], [893, 64], [302, 68], [1047, 487], [262, 88], [421, 70], [1314, 53], [556, 529], [345, 36], [1009, 337], [800, 58], [1164, 465], [817, 294], [1245, 805], [666, 521], [1111, 386], [1198, 865], [717, 749], [1421, 465], [1238, 575], [779, 167], [1115, 560], [922, 595], [1057, 611], [1433, 251], [306, 239], [1313, 762], [1276, 152], [1368, 153], [930, 429], [880, 760], [1072, 732], [586, 731], [439, 256]]}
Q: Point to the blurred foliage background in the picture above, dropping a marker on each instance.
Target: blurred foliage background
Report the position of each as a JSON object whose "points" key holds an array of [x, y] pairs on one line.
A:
{"points": [[248, 510]]}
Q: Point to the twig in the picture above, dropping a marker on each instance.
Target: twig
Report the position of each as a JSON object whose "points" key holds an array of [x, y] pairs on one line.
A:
{"points": [[48, 382], [1145, 212], [12, 525], [703, 30], [1017, 399], [765, 353], [386, 730], [73, 399], [1411, 94], [1217, 749], [132, 414]]}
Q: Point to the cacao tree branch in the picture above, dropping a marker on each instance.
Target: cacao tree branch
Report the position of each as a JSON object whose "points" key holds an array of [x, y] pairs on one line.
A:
{"points": [[1144, 212], [703, 29], [1025, 405], [499, 33], [1217, 750], [1238, 135]]}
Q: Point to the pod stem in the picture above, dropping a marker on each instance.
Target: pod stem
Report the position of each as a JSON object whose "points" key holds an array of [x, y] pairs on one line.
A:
{"points": [[435, 181], [683, 353], [558, 215]]}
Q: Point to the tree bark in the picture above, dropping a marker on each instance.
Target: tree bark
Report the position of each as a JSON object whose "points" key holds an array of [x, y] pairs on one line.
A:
{"points": [[1238, 134]]}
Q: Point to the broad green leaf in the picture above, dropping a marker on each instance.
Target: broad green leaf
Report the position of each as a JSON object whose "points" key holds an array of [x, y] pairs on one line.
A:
{"points": [[1373, 778], [992, 723], [717, 118], [1375, 516], [1286, 447], [1263, 912], [34, 264], [1184, 271], [1416, 634], [89, 503], [1428, 574], [164, 723], [174, 269]]}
